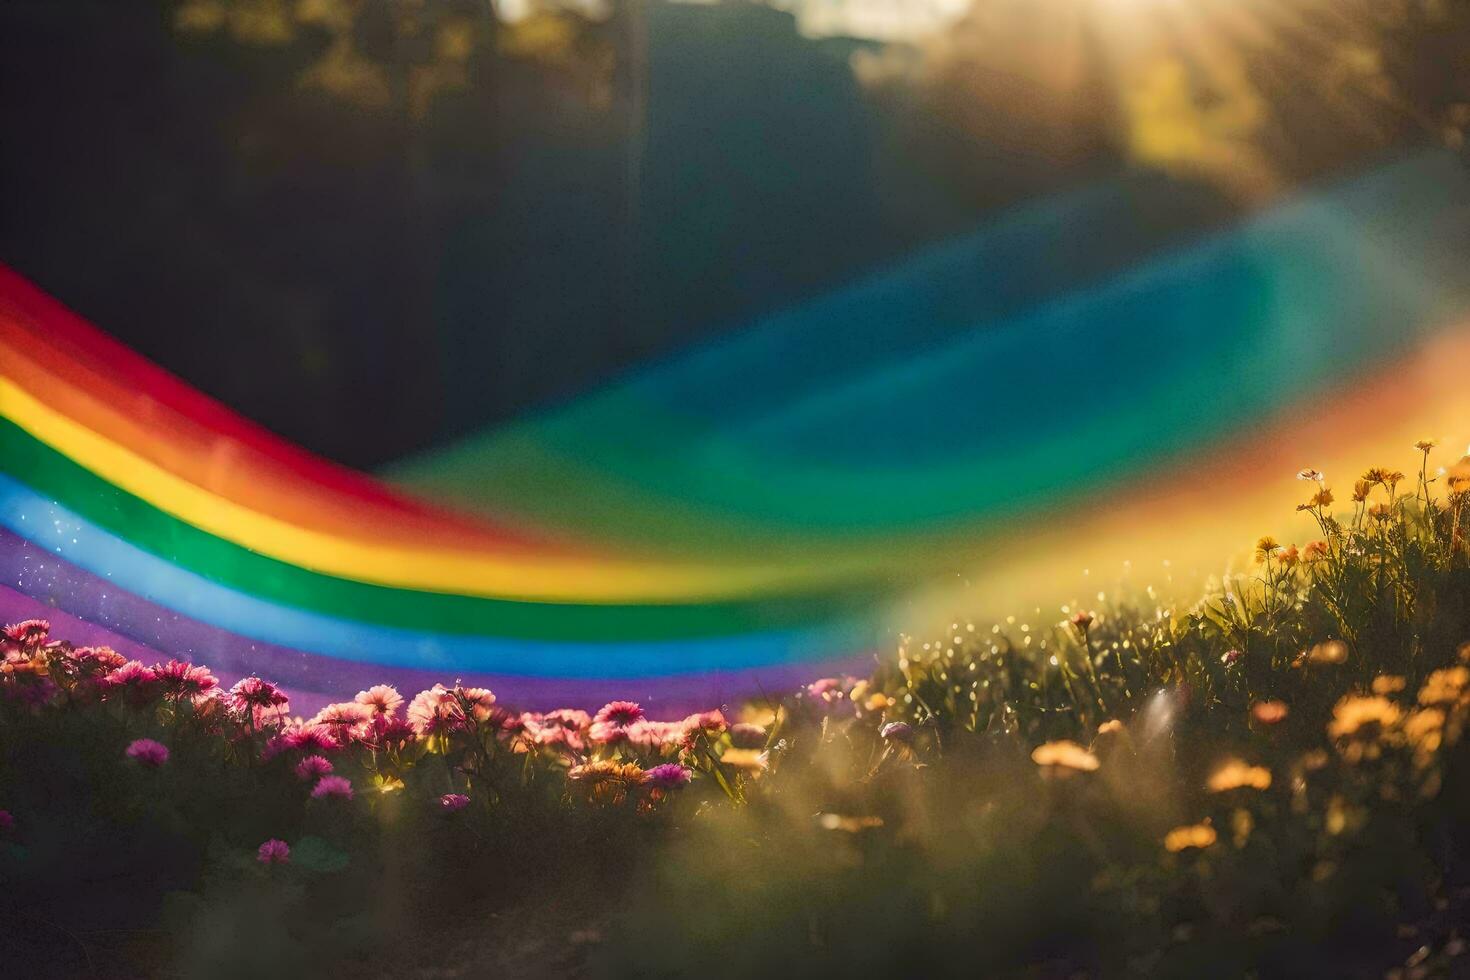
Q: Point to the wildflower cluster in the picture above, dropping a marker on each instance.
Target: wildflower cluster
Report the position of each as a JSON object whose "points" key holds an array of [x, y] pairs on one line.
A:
{"points": [[1229, 788], [374, 741]]}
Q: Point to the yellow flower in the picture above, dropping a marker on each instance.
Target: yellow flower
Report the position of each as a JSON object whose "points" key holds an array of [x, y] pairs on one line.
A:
{"points": [[1200, 835], [1361, 489], [756, 714], [1445, 686], [751, 760], [1064, 756], [1236, 774], [1381, 512], [606, 781], [1356, 715], [1424, 445], [1388, 684], [1322, 498], [1379, 474], [1458, 476], [1266, 547], [878, 701]]}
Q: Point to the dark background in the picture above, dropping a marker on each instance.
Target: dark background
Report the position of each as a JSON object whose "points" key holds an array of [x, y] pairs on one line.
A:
{"points": [[374, 274]]}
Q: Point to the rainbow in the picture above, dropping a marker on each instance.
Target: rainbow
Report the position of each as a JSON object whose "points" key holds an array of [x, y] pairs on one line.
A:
{"points": [[978, 427]]}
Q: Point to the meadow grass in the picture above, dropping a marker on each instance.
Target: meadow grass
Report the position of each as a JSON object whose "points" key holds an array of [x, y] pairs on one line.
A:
{"points": [[1271, 781]]}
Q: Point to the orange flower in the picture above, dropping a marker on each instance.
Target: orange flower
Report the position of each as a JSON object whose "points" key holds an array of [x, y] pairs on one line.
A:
{"points": [[1197, 835], [1064, 757], [605, 781], [1269, 712], [1358, 716], [1445, 686], [1236, 774], [1388, 684]]}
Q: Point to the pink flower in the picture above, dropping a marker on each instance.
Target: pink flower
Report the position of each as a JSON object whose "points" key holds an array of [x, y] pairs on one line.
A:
{"points": [[347, 721], [1230, 657], [384, 700], [563, 728], [181, 679], [147, 752], [97, 658], [567, 718], [555, 736], [138, 682], [509, 722], [451, 802], [480, 701], [313, 767], [331, 786], [274, 852], [611, 724], [389, 733], [434, 711], [829, 695], [274, 746], [312, 738], [28, 634], [652, 736], [670, 775], [744, 736], [301, 737], [7, 821], [708, 721], [619, 713], [252, 692]]}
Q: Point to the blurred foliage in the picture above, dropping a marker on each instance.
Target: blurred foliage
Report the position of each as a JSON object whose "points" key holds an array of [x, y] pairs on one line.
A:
{"points": [[1253, 96], [381, 54], [300, 205]]}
